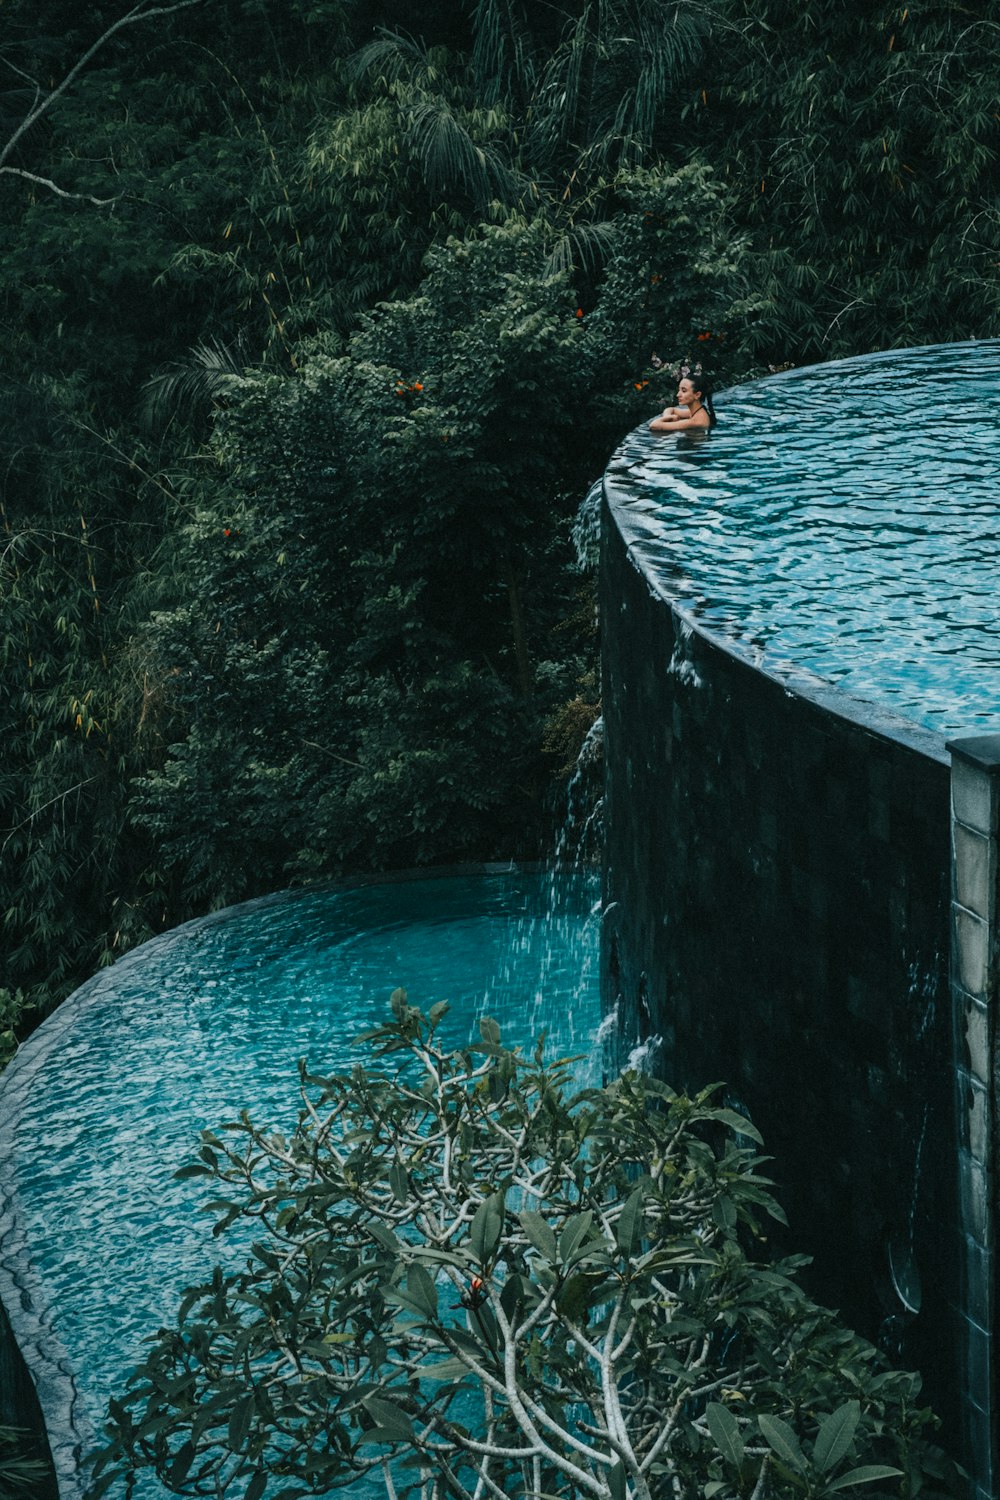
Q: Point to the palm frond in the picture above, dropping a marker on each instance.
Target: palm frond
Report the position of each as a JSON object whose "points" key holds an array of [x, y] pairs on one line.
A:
{"points": [[449, 158], [392, 56], [186, 389], [503, 54], [581, 247]]}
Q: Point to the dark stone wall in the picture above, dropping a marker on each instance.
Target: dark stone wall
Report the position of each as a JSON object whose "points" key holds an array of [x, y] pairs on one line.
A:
{"points": [[19, 1409], [777, 889]]}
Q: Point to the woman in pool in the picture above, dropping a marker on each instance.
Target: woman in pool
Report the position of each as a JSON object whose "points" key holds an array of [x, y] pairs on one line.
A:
{"points": [[694, 408]]}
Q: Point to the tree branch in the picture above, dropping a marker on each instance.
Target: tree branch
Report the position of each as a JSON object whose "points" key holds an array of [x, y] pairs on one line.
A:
{"points": [[140, 12]]}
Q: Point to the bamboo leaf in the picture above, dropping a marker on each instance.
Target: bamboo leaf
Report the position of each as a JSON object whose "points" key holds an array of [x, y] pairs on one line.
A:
{"points": [[257, 1485], [239, 1423]]}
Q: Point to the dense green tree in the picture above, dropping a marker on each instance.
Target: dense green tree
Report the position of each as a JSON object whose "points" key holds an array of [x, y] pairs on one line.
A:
{"points": [[391, 511], [204, 421], [862, 142], [465, 1278]]}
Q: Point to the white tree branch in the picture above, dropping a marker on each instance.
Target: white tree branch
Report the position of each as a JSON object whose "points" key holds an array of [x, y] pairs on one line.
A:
{"points": [[140, 12]]}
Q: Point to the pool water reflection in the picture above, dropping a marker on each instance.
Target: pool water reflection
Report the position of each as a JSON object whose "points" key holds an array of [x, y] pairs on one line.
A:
{"points": [[843, 519], [212, 1019]]}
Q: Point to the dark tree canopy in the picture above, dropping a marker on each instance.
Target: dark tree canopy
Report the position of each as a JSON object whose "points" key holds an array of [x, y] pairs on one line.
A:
{"points": [[299, 392]]}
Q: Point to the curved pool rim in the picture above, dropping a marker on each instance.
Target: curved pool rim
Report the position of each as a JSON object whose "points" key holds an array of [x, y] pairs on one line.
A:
{"points": [[630, 519], [68, 1429]]}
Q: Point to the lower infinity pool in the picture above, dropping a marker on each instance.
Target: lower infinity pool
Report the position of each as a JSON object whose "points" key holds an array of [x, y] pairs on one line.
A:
{"points": [[104, 1103]]}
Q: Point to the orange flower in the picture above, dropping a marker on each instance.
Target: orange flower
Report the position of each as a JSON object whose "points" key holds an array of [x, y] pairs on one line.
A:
{"points": [[703, 336], [640, 384], [418, 386], [579, 312]]}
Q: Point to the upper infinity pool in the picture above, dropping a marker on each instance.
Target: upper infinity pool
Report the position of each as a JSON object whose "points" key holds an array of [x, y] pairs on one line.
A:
{"points": [[844, 518], [105, 1102]]}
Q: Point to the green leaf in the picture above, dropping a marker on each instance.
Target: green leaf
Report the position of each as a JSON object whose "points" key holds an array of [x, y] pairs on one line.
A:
{"points": [[629, 1226], [487, 1227], [724, 1212], [539, 1233], [422, 1289], [384, 1235], [782, 1440], [489, 1031], [239, 1423], [398, 1182], [445, 1369], [573, 1232], [835, 1436], [178, 1471], [257, 1485], [393, 1425], [739, 1123], [616, 1481], [867, 1474], [725, 1433]]}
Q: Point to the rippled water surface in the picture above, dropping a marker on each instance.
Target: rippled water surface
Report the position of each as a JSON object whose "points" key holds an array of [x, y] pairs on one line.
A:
{"points": [[845, 519], [212, 1020]]}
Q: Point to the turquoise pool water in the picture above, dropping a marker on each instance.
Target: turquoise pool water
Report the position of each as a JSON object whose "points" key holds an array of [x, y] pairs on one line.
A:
{"points": [[844, 519], [111, 1093]]}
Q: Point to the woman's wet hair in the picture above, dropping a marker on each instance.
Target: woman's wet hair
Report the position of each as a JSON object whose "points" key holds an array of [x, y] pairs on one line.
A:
{"points": [[702, 387]]}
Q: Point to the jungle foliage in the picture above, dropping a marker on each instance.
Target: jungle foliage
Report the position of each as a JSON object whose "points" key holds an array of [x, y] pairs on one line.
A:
{"points": [[318, 319], [467, 1279]]}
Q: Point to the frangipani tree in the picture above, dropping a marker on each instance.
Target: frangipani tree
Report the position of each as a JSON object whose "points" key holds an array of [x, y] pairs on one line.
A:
{"points": [[469, 1281]]}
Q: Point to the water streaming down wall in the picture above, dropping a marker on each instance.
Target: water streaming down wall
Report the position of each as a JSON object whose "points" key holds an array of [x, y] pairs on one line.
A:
{"points": [[779, 913]]}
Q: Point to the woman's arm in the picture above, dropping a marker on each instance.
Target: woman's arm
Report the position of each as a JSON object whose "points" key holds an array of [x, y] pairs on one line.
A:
{"points": [[675, 424]]}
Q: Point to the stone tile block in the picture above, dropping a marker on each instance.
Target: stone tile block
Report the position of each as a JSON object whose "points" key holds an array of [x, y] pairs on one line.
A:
{"points": [[978, 1353], [878, 818], [972, 1197], [973, 797], [970, 952], [973, 1038], [974, 870], [977, 1273], [974, 1122]]}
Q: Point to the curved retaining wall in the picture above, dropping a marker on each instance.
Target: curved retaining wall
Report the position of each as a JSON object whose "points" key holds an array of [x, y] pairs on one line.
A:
{"points": [[777, 912]]}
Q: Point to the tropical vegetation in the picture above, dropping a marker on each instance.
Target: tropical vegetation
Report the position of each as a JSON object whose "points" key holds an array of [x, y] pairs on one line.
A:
{"points": [[319, 318], [465, 1279]]}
